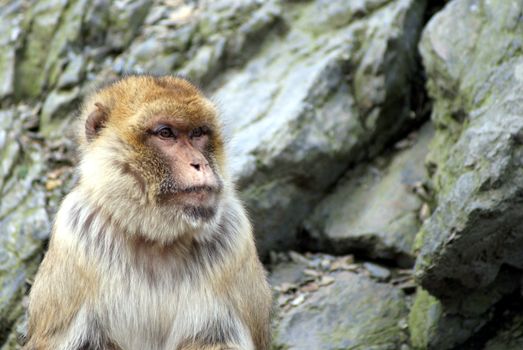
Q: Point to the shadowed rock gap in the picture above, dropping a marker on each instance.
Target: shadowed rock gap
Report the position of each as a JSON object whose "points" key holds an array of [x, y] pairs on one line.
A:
{"points": [[505, 311]]}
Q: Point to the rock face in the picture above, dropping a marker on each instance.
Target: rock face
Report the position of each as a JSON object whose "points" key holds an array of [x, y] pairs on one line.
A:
{"points": [[297, 130], [432, 327], [375, 210], [478, 161], [24, 223], [320, 101], [470, 249], [510, 338]]}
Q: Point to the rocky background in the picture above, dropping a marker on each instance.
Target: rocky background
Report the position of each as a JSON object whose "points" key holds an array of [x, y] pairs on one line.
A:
{"points": [[378, 145]]}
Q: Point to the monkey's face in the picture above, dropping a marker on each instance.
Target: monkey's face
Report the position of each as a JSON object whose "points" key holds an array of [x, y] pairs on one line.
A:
{"points": [[158, 146], [176, 157], [184, 153]]}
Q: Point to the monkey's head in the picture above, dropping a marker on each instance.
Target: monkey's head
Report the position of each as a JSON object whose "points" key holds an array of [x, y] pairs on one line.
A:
{"points": [[152, 150]]}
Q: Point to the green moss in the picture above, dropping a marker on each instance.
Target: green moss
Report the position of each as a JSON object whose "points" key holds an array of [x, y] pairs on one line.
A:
{"points": [[419, 240], [22, 171], [423, 318], [129, 22], [275, 337], [68, 32], [41, 23]]}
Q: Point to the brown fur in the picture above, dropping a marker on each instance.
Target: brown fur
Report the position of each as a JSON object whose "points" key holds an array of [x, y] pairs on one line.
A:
{"points": [[132, 100], [129, 266]]}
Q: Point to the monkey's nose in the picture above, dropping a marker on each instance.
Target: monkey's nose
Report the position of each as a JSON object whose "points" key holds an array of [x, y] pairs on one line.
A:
{"points": [[196, 166]]}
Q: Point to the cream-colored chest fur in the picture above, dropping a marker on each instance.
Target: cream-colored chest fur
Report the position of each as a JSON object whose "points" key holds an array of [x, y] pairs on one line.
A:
{"points": [[151, 298], [162, 314]]}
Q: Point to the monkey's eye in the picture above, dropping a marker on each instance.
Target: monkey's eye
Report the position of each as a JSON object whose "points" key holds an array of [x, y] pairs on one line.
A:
{"points": [[198, 132], [165, 133]]}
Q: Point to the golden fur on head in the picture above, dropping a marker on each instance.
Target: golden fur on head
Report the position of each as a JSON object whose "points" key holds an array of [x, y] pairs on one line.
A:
{"points": [[133, 100]]}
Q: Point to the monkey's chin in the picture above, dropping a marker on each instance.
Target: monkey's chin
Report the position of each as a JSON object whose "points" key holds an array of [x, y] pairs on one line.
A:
{"points": [[198, 206], [199, 213]]}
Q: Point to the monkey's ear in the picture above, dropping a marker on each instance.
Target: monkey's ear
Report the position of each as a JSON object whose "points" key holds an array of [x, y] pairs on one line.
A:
{"points": [[96, 121]]}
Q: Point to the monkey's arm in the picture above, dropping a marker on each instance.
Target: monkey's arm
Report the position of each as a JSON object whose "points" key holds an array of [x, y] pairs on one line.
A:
{"points": [[255, 306], [58, 313], [251, 297]]}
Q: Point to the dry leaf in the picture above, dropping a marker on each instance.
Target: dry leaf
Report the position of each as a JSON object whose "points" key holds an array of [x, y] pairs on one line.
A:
{"points": [[299, 300], [326, 280], [310, 287], [313, 273]]}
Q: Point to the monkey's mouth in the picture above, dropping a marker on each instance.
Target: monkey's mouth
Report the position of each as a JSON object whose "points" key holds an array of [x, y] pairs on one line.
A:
{"points": [[199, 202], [199, 189], [192, 196]]}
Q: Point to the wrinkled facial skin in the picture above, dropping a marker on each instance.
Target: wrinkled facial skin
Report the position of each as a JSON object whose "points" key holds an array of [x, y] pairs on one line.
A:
{"points": [[186, 153]]}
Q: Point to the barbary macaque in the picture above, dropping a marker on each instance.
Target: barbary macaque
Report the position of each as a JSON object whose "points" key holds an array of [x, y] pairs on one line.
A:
{"points": [[152, 249]]}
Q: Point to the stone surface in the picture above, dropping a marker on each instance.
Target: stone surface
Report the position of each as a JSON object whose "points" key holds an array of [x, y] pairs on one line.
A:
{"points": [[201, 40], [11, 14], [17, 336], [447, 324], [509, 338], [376, 271], [432, 328], [470, 53], [58, 105], [297, 130], [351, 313], [24, 224], [375, 211], [50, 28], [287, 272]]}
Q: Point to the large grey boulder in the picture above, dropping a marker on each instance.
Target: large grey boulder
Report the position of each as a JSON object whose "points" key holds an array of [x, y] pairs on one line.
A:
{"points": [[470, 252], [476, 80], [353, 312], [375, 210]]}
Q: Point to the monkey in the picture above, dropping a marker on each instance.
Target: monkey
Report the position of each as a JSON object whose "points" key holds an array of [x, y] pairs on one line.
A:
{"points": [[152, 249]]}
